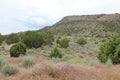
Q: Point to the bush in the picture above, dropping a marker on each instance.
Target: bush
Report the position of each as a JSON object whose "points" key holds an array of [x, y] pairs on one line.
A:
{"points": [[1, 39], [56, 53], [9, 69], [47, 37], [28, 62], [58, 40], [12, 38], [2, 61], [110, 49], [117, 54], [81, 41], [32, 39], [64, 43], [18, 49]]}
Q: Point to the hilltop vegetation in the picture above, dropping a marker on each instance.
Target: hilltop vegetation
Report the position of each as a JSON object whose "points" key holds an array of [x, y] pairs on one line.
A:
{"points": [[89, 25]]}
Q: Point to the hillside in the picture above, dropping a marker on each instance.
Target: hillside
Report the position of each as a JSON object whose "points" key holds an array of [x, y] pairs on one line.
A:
{"points": [[88, 25], [46, 56]]}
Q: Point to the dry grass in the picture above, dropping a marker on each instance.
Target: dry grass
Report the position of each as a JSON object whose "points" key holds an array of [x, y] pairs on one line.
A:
{"points": [[62, 71]]}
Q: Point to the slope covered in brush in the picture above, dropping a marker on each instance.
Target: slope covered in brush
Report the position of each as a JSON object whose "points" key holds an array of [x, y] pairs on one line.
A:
{"points": [[88, 25]]}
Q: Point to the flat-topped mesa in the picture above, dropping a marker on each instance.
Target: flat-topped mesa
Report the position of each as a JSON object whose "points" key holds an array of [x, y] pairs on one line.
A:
{"points": [[81, 17], [91, 17]]}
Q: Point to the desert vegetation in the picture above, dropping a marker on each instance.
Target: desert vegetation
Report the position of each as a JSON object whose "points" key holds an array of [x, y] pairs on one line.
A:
{"points": [[56, 53], [81, 41], [82, 49], [110, 49], [18, 49], [63, 43], [28, 62]]}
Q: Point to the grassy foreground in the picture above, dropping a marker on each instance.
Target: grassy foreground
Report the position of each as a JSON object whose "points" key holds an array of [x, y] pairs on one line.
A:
{"points": [[63, 71]]}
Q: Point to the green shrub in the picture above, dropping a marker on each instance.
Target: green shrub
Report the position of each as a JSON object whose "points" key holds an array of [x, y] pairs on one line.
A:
{"points": [[12, 38], [64, 43], [2, 61], [32, 39], [58, 41], [56, 53], [35, 39], [81, 41], [117, 54], [28, 62], [96, 42], [1, 39], [48, 37], [9, 69], [103, 40], [18, 49], [110, 49]]}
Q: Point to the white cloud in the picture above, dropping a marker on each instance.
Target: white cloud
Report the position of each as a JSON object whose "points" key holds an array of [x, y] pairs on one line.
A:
{"points": [[20, 15]]}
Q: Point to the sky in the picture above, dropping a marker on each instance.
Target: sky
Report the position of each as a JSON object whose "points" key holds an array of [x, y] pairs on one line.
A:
{"points": [[23, 15]]}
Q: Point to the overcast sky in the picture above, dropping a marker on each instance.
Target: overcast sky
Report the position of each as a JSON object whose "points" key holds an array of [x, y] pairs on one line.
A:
{"points": [[22, 15]]}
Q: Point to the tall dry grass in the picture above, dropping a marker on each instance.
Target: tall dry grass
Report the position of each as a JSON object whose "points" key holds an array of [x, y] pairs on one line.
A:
{"points": [[63, 71]]}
